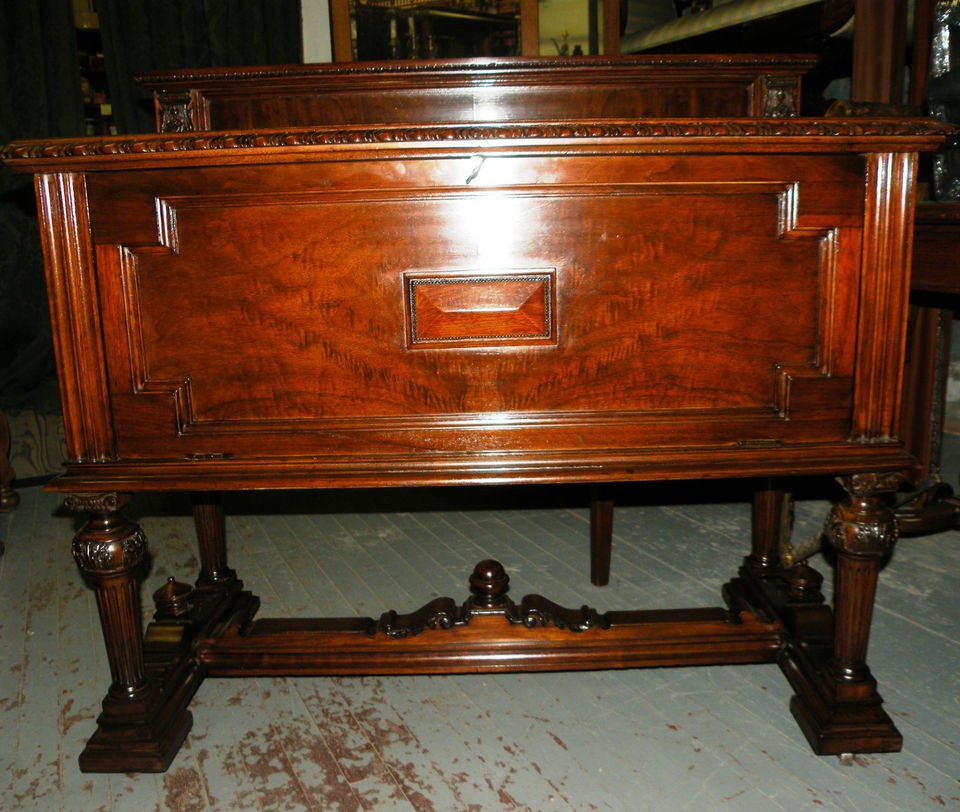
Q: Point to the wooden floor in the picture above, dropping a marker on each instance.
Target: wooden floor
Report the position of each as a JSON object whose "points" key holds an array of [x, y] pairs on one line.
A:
{"points": [[697, 739]]}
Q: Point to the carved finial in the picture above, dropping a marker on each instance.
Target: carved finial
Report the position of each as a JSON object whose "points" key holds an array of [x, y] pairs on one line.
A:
{"points": [[172, 599], [489, 583], [804, 583]]}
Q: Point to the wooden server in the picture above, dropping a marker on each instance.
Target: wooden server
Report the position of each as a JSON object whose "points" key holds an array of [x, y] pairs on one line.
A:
{"points": [[585, 300]]}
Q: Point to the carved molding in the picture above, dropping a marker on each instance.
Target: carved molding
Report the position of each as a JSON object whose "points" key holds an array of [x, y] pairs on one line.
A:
{"points": [[440, 134]]}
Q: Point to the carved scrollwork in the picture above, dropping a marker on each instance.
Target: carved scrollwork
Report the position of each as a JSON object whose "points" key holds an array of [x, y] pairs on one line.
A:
{"points": [[440, 613], [489, 584], [538, 611], [533, 612]]}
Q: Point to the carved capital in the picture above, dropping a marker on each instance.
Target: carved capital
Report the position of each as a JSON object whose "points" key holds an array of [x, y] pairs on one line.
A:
{"points": [[871, 484], [863, 524], [109, 542], [105, 555], [95, 502]]}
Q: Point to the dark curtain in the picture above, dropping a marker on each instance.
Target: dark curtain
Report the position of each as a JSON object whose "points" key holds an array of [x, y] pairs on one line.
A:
{"points": [[146, 35], [39, 98]]}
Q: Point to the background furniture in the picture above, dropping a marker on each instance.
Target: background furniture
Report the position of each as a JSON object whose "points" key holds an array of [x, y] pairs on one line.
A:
{"points": [[9, 498], [928, 504], [382, 29]]}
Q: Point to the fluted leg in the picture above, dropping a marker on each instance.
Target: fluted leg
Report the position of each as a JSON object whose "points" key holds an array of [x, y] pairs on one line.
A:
{"points": [[108, 549], [142, 724], [840, 710], [862, 530]]}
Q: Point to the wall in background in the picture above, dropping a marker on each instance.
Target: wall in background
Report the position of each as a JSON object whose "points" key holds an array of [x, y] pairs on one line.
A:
{"points": [[315, 18]]}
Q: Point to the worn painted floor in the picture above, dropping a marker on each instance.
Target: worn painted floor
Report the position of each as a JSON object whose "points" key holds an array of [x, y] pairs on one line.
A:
{"points": [[675, 739]]}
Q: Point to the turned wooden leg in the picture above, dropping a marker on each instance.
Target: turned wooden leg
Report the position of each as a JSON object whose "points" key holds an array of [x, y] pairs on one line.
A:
{"points": [[769, 559], [138, 729], [601, 535], [863, 531], [770, 520], [211, 538], [841, 712], [9, 498], [108, 549]]}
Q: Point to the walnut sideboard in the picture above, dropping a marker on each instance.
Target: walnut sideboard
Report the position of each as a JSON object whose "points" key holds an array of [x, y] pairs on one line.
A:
{"points": [[394, 306]]}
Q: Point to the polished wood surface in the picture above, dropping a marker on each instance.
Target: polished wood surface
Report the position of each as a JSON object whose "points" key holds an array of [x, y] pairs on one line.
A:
{"points": [[644, 300], [489, 90]]}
